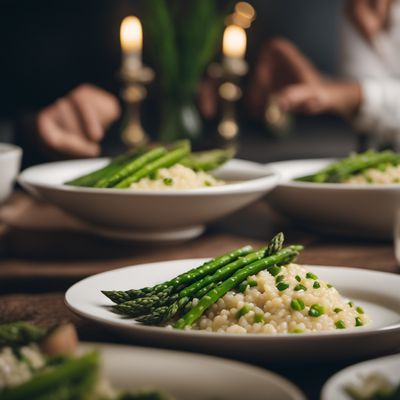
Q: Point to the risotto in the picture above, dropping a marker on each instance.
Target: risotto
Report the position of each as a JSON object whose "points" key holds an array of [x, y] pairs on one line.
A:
{"points": [[177, 177], [294, 300], [390, 174]]}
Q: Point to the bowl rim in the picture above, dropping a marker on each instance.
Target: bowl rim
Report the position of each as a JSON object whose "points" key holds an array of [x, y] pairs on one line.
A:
{"points": [[290, 183], [270, 179]]}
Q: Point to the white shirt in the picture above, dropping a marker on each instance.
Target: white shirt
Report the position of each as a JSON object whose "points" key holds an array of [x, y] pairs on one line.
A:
{"points": [[377, 67]]}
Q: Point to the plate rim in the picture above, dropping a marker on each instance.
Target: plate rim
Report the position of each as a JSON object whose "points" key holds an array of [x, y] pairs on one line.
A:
{"points": [[331, 382], [282, 381], [271, 179], [309, 336], [328, 186]]}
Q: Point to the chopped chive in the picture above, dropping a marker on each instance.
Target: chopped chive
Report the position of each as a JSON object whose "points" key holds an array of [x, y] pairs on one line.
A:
{"points": [[297, 330], [243, 311], [297, 304], [274, 270], [298, 278], [316, 310], [252, 282], [168, 181], [281, 286], [300, 287], [328, 285], [350, 303], [242, 287], [153, 175], [359, 321], [316, 285], [279, 278], [258, 318], [337, 310], [340, 324], [359, 310], [310, 275], [207, 183]]}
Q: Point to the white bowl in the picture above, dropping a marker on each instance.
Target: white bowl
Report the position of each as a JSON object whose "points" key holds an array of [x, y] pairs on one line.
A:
{"points": [[148, 214], [10, 162], [361, 210]]}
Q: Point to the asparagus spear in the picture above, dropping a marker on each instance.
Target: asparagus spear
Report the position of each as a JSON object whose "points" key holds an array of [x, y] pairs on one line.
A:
{"points": [[131, 167], [283, 257], [169, 159], [70, 373], [20, 333], [181, 280], [208, 160], [92, 178]]}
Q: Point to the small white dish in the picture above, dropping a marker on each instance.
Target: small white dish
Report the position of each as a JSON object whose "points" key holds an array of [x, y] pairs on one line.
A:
{"points": [[10, 162], [377, 292], [389, 367], [362, 210], [189, 376], [148, 214]]}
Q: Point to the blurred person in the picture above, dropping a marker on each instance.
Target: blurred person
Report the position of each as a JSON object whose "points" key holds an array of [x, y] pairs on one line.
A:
{"points": [[368, 94]]}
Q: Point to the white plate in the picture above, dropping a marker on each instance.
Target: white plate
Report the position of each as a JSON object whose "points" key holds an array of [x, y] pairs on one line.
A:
{"points": [[189, 376], [389, 367], [377, 292], [145, 214], [362, 210]]}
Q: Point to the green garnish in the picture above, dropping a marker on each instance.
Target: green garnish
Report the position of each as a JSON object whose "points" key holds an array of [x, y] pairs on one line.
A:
{"points": [[328, 285], [243, 286], [300, 287], [297, 304], [243, 311], [279, 278], [298, 278], [281, 286], [350, 303], [297, 330], [207, 183], [310, 275], [337, 310], [274, 270], [340, 324], [252, 282], [359, 310], [316, 285], [258, 318], [153, 175], [168, 181], [316, 310], [359, 321]]}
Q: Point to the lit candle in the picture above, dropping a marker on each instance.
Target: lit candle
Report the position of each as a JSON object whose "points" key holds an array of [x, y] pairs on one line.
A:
{"points": [[234, 42], [131, 43]]}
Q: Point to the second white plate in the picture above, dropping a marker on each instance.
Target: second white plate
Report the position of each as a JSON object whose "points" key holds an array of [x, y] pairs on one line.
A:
{"points": [[377, 292]]}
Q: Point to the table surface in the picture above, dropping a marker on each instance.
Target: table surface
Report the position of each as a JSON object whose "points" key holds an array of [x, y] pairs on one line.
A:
{"points": [[43, 251]]}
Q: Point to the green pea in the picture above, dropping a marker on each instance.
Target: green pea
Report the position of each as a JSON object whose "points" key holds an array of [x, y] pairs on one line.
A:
{"points": [[310, 275], [359, 321], [316, 310], [298, 278], [340, 324], [316, 285], [281, 286], [168, 181], [297, 304], [299, 287], [359, 310], [243, 311]]}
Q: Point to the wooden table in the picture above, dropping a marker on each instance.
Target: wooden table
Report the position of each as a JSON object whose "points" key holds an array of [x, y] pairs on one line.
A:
{"points": [[43, 251]]}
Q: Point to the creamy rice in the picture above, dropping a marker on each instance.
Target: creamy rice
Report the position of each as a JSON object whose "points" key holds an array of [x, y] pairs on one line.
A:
{"points": [[391, 174], [266, 309], [177, 177]]}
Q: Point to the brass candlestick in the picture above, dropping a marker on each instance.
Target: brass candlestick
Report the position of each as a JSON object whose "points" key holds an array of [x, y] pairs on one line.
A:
{"points": [[229, 72], [133, 93]]}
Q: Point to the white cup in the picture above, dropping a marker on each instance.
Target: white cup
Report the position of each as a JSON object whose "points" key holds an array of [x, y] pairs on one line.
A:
{"points": [[10, 163]]}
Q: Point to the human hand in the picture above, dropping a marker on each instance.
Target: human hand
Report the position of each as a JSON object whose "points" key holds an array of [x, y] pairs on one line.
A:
{"points": [[283, 72], [369, 16], [74, 125]]}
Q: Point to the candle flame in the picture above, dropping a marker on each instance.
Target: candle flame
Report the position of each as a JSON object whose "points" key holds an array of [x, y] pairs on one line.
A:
{"points": [[234, 42], [131, 34]]}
